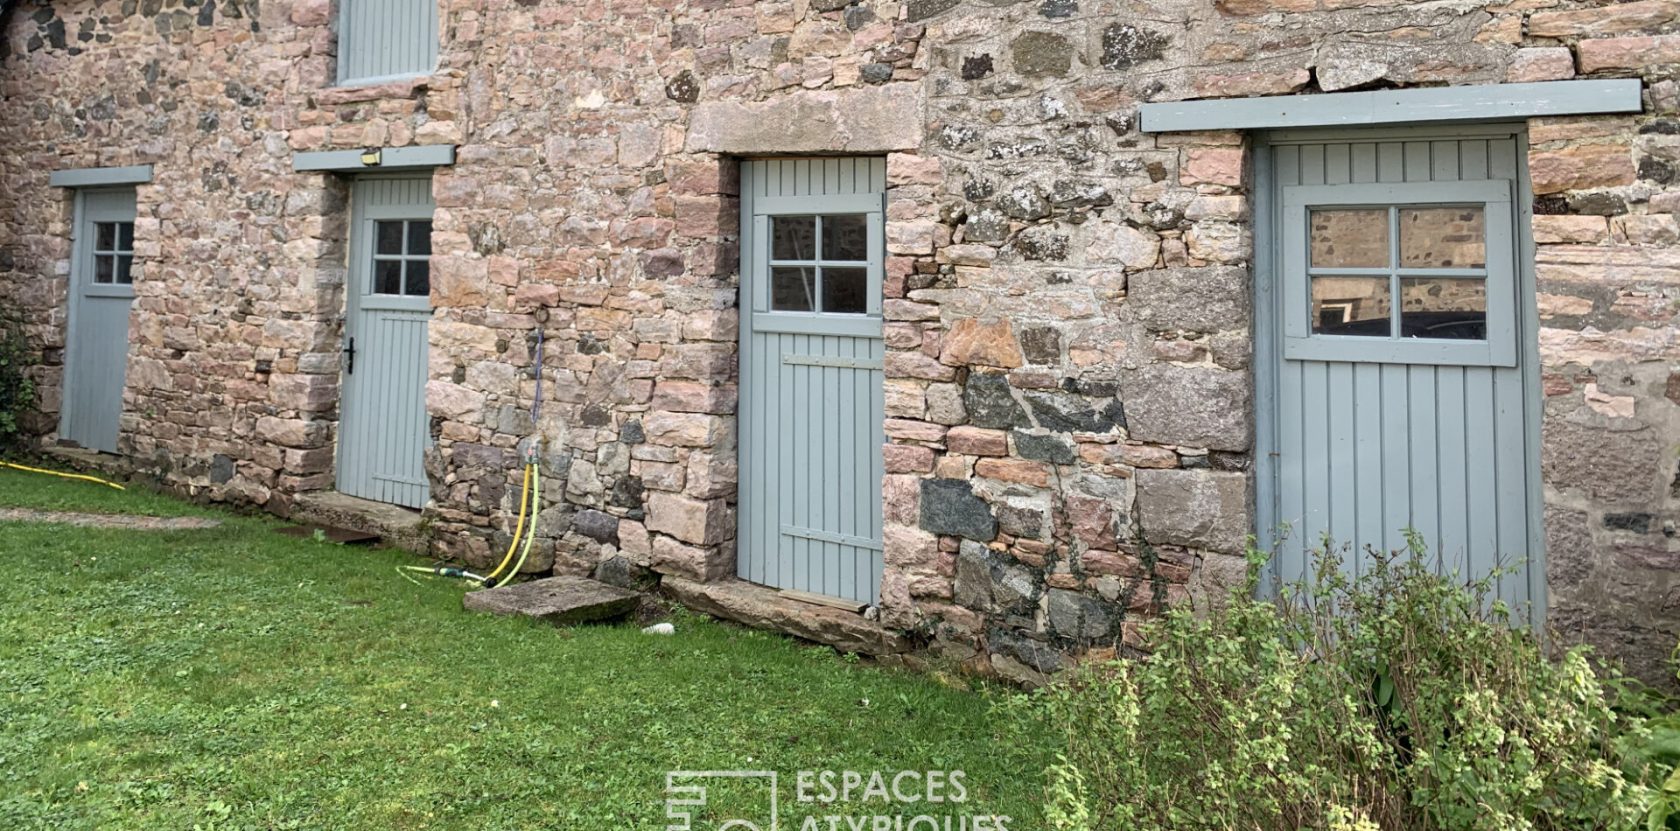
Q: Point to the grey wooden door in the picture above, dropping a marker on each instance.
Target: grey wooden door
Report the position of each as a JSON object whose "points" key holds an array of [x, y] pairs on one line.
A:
{"points": [[381, 40], [812, 394], [1398, 325], [383, 430], [101, 294]]}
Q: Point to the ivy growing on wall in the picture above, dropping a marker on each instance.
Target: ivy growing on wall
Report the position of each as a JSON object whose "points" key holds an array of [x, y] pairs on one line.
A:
{"points": [[17, 389]]}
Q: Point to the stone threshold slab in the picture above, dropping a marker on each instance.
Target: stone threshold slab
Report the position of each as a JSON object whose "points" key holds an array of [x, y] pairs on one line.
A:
{"points": [[558, 600], [126, 522], [397, 526], [763, 607]]}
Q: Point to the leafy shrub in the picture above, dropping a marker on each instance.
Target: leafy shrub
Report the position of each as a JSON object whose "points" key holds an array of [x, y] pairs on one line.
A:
{"points": [[17, 390], [1395, 700], [1655, 751]]}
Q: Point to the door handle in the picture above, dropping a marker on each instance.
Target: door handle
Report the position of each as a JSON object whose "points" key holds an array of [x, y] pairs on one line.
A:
{"points": [[350, 354]]}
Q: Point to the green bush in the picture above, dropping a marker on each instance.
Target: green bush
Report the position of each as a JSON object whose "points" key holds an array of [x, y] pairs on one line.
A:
{"points": [[1395, 700], [17, 390], [1655, 752]]}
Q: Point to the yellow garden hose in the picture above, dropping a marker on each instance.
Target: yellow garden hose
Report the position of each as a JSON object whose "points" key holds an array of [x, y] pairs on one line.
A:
{"points": [[536, 494], [518, 527], [64, 475], [529, 495]]}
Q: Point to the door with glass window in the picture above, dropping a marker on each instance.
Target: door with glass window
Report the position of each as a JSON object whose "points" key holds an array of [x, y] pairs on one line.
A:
{"points": [[1399, 325], [101, 295], [812, 397], [383, 429]]}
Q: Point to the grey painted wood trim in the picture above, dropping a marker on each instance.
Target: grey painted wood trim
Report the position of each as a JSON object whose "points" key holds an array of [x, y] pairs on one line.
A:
{"points": [[93, 177], [390, 158], [806, 323], [825, 360], [1267, 362], [1482, 102], [836, 204], [1528, 287], [1390, 133], [839, 539]]}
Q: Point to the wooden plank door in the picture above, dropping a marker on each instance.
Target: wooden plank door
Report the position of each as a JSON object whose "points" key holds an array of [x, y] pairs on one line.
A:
{"points": [[101, 295], [384, 431], [812, 395], [1398, 320]]}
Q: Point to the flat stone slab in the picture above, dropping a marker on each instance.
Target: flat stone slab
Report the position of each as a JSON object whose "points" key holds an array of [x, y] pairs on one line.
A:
{"points": [[762, 607], [130, 522], [343, 536], [558, 600], [397, 526]]}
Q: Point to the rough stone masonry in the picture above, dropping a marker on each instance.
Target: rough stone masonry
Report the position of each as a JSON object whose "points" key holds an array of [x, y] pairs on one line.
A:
{"points": [[1068, 299]]}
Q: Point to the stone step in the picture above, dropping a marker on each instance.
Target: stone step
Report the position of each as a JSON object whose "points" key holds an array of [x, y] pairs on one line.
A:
{"points": [[558, 600]]}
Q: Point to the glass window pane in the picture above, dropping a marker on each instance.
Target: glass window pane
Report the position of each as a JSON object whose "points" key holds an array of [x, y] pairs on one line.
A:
{"points": [[420, 237], [1355, 238], [1350, 306], [387, 276], [390, 237], [793, 237], [792, 289], [419, 283], [845, 290], [845, 237], [1443, 238], [105, 236], [125, 268], [125, 236], [104, 268], [1443, 307]]}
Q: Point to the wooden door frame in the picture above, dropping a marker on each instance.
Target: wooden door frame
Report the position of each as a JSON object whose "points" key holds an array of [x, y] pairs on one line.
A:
{"points": [[81, 262], [1267, 318], [752, 293], [359, 248]]}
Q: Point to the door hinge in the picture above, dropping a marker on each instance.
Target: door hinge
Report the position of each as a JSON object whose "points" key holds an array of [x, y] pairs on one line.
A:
{"points": [[350, 356]]}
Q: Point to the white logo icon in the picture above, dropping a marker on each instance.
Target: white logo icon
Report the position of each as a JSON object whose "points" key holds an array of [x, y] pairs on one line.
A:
{"points": [[685, 796]]}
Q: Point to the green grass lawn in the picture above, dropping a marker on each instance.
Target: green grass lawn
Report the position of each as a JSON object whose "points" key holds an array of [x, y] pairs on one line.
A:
{"points": [[237, 679]]}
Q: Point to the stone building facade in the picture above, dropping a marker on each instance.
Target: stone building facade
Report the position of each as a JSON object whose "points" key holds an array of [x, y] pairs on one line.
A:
{"points": [[1067, 305]]}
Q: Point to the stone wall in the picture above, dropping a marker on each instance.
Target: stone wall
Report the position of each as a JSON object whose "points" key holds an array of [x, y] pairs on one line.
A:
{"points": [[1068, 316]]}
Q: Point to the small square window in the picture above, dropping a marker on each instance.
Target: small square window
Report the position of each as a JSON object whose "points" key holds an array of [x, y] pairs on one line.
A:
{"points": [[104, 268], [418, 283], [845, 237], [1443, 308], [1400, 273], [793, 289], [420, 238], [105, 236], [844, 290], [1350, 238], [387, 276], [1350, 306], [793, 237], [125, 269], [389, 237], [125, 236], [1443, 238]]}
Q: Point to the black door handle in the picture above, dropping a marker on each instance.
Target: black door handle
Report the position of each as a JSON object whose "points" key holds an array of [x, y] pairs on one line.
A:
{"points": [[350, 351]]}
